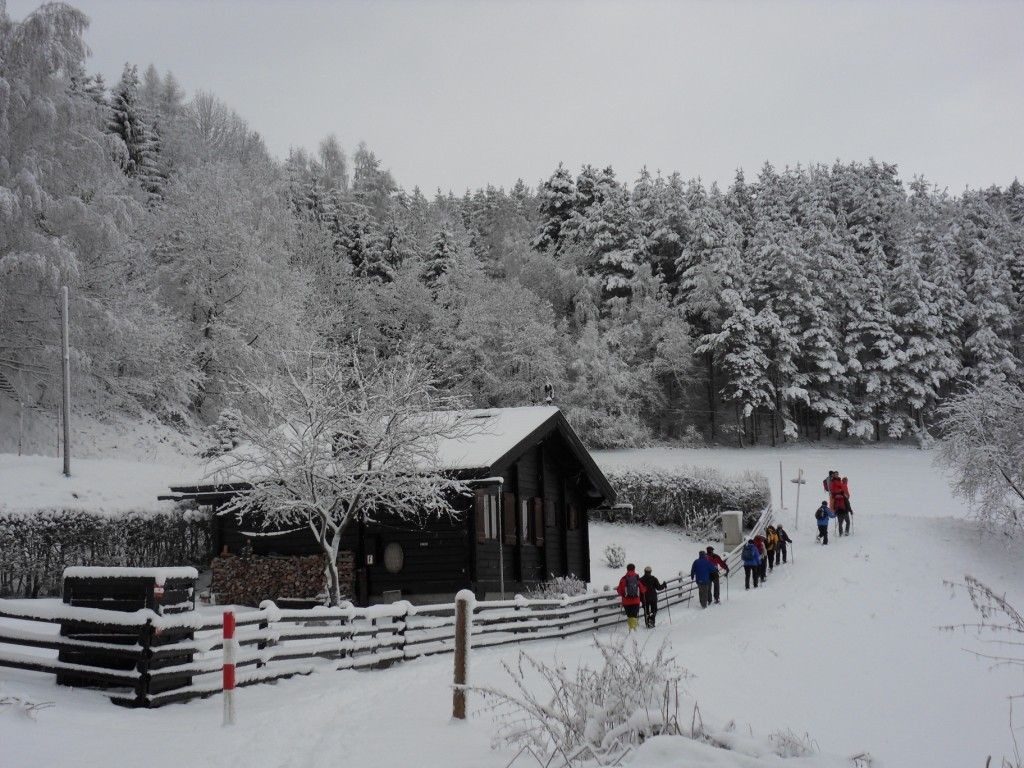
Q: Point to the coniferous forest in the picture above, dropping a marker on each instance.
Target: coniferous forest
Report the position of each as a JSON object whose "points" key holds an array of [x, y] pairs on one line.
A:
{"points": [[814, 302]]}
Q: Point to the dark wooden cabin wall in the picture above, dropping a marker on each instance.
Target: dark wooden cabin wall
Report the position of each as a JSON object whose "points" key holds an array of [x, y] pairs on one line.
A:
{"points": [[444, 555]]}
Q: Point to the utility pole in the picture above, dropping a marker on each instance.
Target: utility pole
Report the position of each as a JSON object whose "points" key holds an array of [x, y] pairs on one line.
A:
{"points": [[65, 379]]}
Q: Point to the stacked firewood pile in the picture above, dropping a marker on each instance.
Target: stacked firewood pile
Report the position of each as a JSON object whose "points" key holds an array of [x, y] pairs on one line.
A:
{"points": [[249, 579]]}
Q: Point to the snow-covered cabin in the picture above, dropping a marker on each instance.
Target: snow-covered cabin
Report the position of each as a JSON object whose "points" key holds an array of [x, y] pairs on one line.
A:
{"points": [[534, 484]]}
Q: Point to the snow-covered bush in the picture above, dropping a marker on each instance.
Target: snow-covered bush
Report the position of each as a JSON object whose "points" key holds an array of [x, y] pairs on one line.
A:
{"points": [[692, 497], [35, 548], [615, 555], [224, 435], [558, 586], [592, 715], [632, 704]]}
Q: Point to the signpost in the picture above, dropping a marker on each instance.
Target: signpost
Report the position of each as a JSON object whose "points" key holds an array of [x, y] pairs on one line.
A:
{"points": [[799, 480]]}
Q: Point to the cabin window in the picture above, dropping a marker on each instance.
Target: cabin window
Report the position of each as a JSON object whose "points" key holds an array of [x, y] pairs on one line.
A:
{"points": [[572, 518], [488, 518], [394, 557], [492, 521], [525, 523]]}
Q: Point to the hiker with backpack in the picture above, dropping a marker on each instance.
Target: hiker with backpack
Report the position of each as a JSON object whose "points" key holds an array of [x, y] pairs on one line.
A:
{"points": [[721, 566], [822, 516], [762, 551], [771, 544], [751, 562], [782, 549], [701, 572], [827, 483], [631, 589], [652, 585], [843, 508]]}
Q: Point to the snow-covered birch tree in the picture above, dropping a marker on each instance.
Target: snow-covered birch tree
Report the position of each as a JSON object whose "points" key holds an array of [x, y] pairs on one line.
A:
{"points": [[329, 440]]}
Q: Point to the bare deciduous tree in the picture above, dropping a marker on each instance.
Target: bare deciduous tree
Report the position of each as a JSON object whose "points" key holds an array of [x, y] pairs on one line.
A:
{"points": [[329, 440], [983, 444]]}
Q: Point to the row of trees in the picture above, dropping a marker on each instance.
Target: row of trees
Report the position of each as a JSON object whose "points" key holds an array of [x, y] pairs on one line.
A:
{"points": [[808, 302]]}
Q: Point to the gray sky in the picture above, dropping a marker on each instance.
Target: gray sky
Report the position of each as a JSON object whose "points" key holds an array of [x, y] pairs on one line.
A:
{"points": [[457, 94]]}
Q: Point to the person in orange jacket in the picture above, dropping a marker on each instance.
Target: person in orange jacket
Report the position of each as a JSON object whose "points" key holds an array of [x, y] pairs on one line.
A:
{"points": [[631, 589]]}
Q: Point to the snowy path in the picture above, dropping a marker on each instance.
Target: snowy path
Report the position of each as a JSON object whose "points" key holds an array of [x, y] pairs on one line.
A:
{"points": [[842, 644]]}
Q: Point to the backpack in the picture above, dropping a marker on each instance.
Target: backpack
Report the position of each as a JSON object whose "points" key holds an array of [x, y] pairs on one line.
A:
{"points": [[632, 585], [773, 540], [820, 514], [748, 552]]}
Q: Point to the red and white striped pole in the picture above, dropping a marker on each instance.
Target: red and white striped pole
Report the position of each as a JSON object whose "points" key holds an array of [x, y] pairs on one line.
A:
{"points": [[229, 668]]}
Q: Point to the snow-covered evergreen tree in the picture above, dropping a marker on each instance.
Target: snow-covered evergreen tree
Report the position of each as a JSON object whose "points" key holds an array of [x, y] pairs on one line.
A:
{"points": [[439, 262], [557, 203], [130, 122]]}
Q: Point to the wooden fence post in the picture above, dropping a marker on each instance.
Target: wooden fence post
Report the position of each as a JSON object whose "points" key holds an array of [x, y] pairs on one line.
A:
{"points": [[229, 668], [144, 664], [463, 627]]}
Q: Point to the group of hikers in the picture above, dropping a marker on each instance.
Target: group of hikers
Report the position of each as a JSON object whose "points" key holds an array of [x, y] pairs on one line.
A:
{"points": [[760, 556], [836, 507]]}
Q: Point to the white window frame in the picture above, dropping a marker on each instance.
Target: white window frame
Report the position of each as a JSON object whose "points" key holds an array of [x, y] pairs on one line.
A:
{"points": [[492, 519]]}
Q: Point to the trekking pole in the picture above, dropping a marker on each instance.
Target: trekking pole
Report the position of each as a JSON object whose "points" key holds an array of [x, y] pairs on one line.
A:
{"points": [[668, 607]]}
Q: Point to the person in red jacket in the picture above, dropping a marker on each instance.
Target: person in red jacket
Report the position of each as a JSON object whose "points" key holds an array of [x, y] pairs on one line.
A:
{"points": [[843, 508], [759, 542], [631, 589], [715, 578]]}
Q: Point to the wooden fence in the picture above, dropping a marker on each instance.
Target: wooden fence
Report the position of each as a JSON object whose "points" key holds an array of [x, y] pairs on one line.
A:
{"points": [[274, 643]]}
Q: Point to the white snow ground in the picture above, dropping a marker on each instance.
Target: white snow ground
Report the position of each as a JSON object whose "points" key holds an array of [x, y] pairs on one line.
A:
{"points": [[30, 483], [842, 644]]}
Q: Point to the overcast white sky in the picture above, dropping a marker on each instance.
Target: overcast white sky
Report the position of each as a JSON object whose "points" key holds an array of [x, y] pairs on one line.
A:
{"points": [[459, 94]]}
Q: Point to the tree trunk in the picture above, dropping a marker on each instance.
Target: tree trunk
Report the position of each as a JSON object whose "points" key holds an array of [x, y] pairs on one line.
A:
{"points": [[711, 392], [330, 549]]}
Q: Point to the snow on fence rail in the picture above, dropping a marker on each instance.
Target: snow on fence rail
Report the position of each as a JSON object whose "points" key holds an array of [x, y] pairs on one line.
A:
{"points": [[274, 643]]}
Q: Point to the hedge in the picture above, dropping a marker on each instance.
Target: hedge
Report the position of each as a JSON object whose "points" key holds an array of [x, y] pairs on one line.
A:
{"points": [[36, 547], [692, 497]]}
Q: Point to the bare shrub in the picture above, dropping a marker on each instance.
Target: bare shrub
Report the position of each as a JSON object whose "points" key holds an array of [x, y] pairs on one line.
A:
{"points": [[594, 715], [558, 586], [615, 555]]}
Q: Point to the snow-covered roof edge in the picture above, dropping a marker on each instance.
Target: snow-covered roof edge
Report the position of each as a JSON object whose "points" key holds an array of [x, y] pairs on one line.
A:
{"points": [[557, 421]]}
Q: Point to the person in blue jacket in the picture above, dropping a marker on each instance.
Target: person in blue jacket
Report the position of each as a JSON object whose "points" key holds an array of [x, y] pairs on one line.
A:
{"points": [[751, 562], [702, 572], [822, 516]]}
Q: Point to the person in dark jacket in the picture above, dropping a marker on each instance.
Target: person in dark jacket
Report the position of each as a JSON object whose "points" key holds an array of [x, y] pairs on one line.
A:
{"points": [[771, 543], [631, 590], [722, 567], [701, 572], [822, 516], [652, 586], [783, 541], [751, 562]]}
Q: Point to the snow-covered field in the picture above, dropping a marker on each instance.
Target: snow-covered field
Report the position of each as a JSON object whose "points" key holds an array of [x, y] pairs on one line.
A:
{"points": [[99, 485], [842, 644]]}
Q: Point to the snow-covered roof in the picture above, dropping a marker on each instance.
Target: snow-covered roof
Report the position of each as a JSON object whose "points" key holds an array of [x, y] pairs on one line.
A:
{"points": [[477, 440], [159, 575], [489, 434]]}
